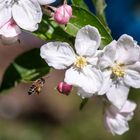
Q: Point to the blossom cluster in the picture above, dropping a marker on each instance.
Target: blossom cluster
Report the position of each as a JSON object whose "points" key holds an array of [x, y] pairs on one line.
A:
{"points": [[27, 14], [108, 73]]}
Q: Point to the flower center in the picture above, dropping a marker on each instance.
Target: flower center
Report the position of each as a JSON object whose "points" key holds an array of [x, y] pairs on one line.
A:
{"points": [[118, 70], [80, 62]]}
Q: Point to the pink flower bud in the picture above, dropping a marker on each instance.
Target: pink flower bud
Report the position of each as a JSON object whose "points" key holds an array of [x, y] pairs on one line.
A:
{"points": [[64, 88], [63, 14], [9, 32]]}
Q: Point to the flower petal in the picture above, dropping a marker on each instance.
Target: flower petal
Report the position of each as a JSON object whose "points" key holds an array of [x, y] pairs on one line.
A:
{"points": [[29, 14], [115, 123], [87, 41], [94, 59], [128, 116], [127, 50], [107, 58], [117, 95], [58, 54], [135, 67], [128, 107], [90, 80], [132, 78], [127, 110], [10, 29], [5, 13], [106, 82], [44, 2]]}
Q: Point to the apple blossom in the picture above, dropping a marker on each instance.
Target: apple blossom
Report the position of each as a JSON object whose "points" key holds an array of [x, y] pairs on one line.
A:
{"points": [[115, 120], [121, 69], [26, 13], [81, 66]]}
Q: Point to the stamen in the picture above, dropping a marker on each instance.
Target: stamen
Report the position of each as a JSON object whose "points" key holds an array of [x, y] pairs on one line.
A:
{"points": [[118, 70], [80, 62]]}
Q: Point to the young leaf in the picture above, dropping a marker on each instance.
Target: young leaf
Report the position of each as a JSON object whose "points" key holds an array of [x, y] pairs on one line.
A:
{"points": [[26, 67]]}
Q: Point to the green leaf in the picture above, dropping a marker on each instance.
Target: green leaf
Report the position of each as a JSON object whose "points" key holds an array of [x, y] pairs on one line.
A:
{"points": [[80, 3], [49, 30], [26, 67], [83, 103], [82, 18]]}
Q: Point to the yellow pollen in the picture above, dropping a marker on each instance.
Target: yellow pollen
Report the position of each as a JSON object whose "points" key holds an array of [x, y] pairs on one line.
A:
{"points": [[80, 62], [118, 70]]}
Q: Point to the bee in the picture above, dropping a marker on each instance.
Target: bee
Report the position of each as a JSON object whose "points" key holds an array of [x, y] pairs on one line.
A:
{"points": [[36, 86]]}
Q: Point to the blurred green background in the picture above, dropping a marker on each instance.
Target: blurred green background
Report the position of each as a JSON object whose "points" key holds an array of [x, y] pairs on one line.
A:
{"points": [[57, 117]]}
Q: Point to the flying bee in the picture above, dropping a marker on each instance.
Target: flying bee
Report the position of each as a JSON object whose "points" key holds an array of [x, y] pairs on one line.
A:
{"points": [[36, 86]]}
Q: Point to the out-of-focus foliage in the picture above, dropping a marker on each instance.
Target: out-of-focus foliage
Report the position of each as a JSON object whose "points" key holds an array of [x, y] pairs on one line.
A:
{"points": [[26, 67], [87, 124]]}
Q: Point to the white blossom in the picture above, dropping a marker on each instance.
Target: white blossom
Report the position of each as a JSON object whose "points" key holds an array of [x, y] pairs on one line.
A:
{"points": [[81, 71], [26, 13], [121, 69], [115, 120]]}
